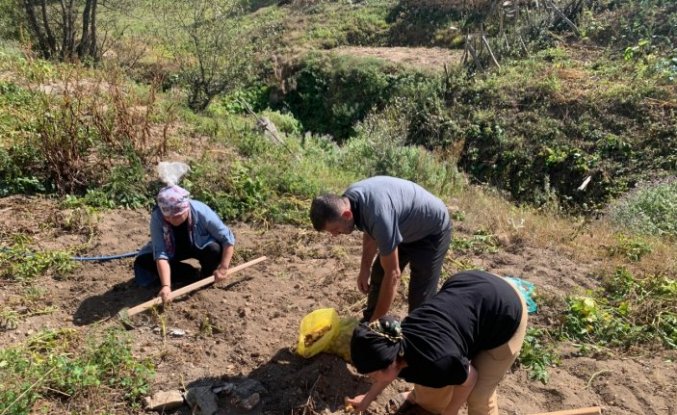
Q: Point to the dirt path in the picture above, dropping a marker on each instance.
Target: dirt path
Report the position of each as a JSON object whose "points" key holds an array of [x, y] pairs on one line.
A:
{"points": [[247, 328], [423, 58]]}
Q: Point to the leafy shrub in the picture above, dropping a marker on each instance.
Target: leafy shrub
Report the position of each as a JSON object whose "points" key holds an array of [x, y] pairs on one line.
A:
{"points": [[417, 22], [650, 210], [631, 248], [18, 171], [241, 100], [56, 361], [625, 312], [380, 148], [284, 122], [11, 20], [18, 263], [125, 186], [537, 354], [480, 242], [235, 193], [332, 93]]}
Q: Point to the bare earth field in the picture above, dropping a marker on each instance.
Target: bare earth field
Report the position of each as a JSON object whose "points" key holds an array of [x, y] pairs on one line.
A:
{"points": [[247, 327]]}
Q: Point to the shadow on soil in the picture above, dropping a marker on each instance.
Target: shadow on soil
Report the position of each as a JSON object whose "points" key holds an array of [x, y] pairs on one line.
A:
{"points": [[290, 384], [101, 307], [126, 295]]}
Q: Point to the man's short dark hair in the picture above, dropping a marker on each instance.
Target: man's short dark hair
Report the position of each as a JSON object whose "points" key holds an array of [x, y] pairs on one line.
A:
{"points": [[324, 209]]}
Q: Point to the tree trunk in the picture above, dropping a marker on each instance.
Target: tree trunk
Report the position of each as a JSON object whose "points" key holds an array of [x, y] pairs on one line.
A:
{"points": [[93, 49], [51, 40], [53, 26], [87, 46], [43, 44]]}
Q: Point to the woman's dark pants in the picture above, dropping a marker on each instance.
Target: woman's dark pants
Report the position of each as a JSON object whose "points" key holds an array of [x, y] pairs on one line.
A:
{"points": [[146, 273]]}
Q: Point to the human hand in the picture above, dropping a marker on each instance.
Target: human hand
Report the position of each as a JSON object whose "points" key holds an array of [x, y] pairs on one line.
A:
{"points": [[363, 281], [356, 404], [165, 294], [220, 273]]}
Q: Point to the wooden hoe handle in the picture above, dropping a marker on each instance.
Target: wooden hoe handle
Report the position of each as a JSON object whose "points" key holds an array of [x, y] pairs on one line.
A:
{"points": [[593, 410], [188, 288]]}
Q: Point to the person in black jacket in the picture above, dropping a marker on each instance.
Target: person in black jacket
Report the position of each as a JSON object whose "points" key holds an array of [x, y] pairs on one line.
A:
{"points": [[455, 348]]}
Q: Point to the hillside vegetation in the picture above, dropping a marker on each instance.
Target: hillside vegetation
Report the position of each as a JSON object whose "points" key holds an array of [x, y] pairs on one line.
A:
{"points": [[552, 126]]}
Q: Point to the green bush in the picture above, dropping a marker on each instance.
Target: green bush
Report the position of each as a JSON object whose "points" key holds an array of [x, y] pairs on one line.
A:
{"points": [[125, 186], [19, 263], [416, 22], [55, 361], [240, 101], [380, 148], [284, 122], [334, 92], [21, 171], [234, 192], [650, 210], [11, 20], [627, 311], [626, 23], [537, 354], [631, 248]]}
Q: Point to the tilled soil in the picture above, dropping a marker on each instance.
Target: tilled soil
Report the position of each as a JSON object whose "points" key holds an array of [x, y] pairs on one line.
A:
{"points": [[247, 327]]}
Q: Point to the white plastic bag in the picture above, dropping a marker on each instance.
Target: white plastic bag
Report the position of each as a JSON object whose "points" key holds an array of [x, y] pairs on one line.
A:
{"points": [[171, 172]]}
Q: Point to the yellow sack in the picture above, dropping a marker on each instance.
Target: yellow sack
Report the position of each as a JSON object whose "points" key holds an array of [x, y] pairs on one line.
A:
{"points": [[317, 331], [340, 345]]}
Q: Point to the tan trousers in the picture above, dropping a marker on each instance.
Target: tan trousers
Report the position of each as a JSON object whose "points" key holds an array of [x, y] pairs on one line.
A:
{"points": [[491, 366]]}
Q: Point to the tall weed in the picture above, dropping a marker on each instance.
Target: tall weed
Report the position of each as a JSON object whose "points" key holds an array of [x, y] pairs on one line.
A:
{"points": [[650, 210], [94, 133]]}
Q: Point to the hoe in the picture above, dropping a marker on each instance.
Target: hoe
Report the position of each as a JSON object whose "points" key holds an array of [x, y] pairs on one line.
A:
{"points": [[126, 313]]}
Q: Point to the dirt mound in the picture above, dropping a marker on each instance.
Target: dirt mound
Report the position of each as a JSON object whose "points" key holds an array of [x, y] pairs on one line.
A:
{"points": [[248, 326]]}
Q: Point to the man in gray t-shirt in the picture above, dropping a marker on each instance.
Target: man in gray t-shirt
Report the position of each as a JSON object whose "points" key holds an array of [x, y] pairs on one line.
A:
{"points": [[403, 223]]}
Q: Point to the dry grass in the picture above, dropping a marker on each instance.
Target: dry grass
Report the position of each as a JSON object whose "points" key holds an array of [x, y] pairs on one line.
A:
{"points": [[580, 239]]}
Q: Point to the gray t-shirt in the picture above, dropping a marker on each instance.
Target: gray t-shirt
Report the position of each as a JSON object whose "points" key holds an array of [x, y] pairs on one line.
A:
{"points": [[395, 211]]}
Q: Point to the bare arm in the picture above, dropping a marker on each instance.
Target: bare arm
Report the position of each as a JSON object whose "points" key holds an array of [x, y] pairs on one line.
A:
{"points": [[221, 272], [391, 280], [368, 253], [461, 393], [361, 402], [165, 273]]}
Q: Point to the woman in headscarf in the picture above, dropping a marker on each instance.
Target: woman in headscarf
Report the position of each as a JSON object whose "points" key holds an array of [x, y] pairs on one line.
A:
{"points": [[181, 228], [455, 348]]}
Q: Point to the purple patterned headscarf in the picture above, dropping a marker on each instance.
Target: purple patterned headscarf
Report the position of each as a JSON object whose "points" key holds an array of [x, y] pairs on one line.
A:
{"points": [[173, 200]]}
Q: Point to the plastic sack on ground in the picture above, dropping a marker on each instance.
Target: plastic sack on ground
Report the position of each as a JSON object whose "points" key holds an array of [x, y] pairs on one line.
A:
{"points": [[323, 331], [340, 345], [317, 331], [527, 289]]}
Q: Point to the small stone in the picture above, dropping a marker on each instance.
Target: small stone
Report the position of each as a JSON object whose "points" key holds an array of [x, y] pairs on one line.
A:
{"points": [[177, 333], [163, 400]]}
